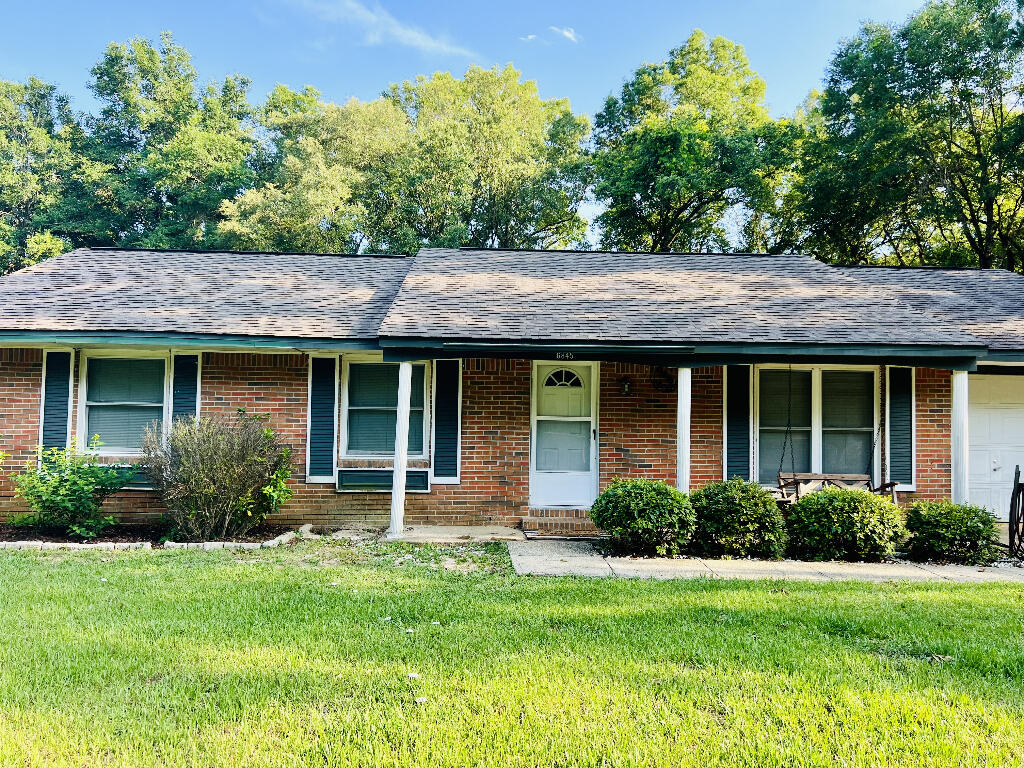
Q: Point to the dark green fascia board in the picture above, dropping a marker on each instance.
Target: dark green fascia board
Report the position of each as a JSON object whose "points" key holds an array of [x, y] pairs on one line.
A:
{"points": [[199, 340], [951, 358], [1005, 356]]}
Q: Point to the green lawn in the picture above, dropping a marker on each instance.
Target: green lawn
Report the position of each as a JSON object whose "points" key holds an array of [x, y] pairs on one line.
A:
{"points": [[286, 657]]}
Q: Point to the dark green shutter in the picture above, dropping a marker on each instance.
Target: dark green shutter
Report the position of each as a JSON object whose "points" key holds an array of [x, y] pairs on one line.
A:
{"points": [[322, 407], [901, 425], [380, 480], [446, 419], [185, 387], [737, 421], [56, 390]]}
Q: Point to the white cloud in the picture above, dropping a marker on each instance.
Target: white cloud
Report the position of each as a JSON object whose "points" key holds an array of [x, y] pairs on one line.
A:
{"points": [[528, 38], [379, 26], [567, 32]]}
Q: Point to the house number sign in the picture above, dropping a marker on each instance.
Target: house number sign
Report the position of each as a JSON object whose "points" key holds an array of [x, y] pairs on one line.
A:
{"points": [[564, 356]]}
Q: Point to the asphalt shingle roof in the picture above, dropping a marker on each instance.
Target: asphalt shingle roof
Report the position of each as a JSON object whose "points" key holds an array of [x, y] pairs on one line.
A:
{"points": [[987, 303], [617, 297], [253, 294]]}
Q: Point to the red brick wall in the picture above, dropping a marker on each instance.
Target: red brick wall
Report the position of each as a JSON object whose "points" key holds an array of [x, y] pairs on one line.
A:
{"points": [[21, 376], [706, 426], [495, 470], [637, 435], [933, 426], [638, 430]]}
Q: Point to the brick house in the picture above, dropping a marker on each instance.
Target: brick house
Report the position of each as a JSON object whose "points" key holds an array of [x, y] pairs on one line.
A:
{"points": [[511, 386]]}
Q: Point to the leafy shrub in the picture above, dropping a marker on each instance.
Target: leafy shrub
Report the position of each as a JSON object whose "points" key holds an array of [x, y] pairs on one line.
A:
{"points": [[66, 489], [839, 524], [957, 533], [218, 477], [737, 519], [644, 517]]}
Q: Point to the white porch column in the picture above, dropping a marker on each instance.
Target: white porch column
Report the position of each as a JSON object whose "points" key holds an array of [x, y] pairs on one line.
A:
{"points": [[959, 463], [683, 404], [401, 451]]}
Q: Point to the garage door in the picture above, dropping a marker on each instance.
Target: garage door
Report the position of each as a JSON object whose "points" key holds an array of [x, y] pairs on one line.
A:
{"points": [[996, 437]]}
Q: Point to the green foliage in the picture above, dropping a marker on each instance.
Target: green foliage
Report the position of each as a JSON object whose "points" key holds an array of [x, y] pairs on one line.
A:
{"points": [[736, 518], [956, 533], [481, 160], [841, 524], [37, 138], [644, 517], [919, 160], [66, 488], [218, 477], [685, 141]]}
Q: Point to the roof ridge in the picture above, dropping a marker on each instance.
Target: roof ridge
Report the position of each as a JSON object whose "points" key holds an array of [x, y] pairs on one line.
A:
{"points": [[199, 251], [624, 253]]}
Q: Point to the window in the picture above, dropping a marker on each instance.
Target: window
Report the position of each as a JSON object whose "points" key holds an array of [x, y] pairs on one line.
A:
{"points": [[847, 421], [122, 397], [777, 388], [373, 408], [814, 420]]}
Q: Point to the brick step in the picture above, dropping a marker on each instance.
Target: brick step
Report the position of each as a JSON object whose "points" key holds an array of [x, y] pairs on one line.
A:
{"points": [[558, 522]]}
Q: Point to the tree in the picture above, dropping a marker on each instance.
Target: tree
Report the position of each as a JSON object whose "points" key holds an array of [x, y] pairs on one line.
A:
{"points": [[686, 140], [36, 136], [920, 158], [438, 161], [162, 152]]}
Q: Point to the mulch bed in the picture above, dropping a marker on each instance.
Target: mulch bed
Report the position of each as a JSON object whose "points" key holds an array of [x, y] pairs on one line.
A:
{"points": [[154, 534]]}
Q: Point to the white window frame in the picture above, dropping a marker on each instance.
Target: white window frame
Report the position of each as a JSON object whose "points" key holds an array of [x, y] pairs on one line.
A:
{"points": [[816, 419], [337, 417], [82, 410], [455, 479], [912, 486], [343, 451]]}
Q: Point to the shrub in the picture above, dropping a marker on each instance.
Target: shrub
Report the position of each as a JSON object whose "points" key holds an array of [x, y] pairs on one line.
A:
{"points": [[737, 519], [957, 533], [839, 524], [218, 477], [66, 489], [644, 517]]}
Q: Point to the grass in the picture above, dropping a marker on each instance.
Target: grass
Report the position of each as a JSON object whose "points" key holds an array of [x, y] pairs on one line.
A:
{"points": [[300, 656]]}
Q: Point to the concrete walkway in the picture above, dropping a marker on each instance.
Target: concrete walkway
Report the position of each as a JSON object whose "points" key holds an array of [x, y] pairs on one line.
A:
{"points": [[580, 558]]}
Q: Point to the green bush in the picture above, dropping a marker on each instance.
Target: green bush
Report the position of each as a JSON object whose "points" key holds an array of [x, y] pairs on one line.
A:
{"points": [[737, 519], [66, 489], [218, 477], [644, 517], [955, 533], [839, 524]]}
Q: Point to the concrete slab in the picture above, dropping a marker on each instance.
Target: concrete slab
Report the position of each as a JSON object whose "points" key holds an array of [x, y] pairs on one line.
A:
{"points": [[547, 557], [874, 571], [657, 568], [557, 558], [460, 534], [765, 569], [973, 573]]}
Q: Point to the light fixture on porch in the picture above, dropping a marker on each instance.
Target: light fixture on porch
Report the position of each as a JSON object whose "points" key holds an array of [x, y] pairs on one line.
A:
{"points": [[626, 385]]}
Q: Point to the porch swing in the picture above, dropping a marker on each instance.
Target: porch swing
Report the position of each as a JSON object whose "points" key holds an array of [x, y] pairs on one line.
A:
{"points": [[793, 484]]}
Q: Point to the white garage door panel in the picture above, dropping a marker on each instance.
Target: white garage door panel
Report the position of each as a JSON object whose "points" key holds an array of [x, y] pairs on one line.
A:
{"points": [[996, 438]]}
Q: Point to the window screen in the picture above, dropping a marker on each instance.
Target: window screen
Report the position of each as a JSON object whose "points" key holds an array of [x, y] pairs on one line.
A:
{"points": [[373, 408], [784, 400], [847, 421], [123, 397]]}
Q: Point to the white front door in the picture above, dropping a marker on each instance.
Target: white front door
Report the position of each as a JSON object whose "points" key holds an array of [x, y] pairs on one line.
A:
{"points": [[995, 425], [563, 443]]}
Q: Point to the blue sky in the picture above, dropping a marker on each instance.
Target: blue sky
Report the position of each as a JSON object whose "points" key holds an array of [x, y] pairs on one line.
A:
{"points": [[579, 50]]}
